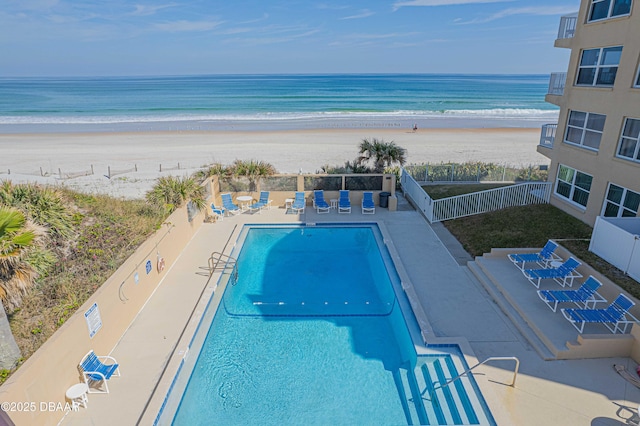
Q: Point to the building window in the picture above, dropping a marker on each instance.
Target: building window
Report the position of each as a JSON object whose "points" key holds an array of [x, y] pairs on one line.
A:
{"points": [[603, 9], [585, 129], [638, 78], [573, 185], [598, 67], [620, 202], [629, 147]]}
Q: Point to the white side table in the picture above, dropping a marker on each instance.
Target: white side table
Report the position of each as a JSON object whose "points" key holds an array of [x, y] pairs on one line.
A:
{"points": [[334, 204], [77, 394], [287, 204]]}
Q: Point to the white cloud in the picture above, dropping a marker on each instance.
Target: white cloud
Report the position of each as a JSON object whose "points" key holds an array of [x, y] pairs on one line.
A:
{"points": [[429, 3], [187, 26], [539, 11], [145, 10], [363, 14]]}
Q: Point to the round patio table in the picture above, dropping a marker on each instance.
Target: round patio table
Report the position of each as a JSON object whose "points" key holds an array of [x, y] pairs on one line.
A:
{"points": [[77, 394], [244, 201]]}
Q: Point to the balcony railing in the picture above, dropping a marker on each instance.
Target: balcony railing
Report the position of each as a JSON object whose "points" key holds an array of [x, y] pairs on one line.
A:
{"points": [[557, 83], [567, 26], [548, 135]]}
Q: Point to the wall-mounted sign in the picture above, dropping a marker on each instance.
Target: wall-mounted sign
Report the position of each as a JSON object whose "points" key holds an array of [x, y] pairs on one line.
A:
{"points": [[94, 322], [148, 266]]}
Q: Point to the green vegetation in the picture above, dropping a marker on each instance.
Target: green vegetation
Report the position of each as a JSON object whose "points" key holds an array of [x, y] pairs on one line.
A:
{"points": [[375, 156], [382, 154], [171, 192], [437, 192], [240, 176], [107, 232], [532, 226], [473, 171], [58, 246]]}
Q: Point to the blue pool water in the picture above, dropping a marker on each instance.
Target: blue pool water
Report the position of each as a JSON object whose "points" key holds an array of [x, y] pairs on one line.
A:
{"points": [[311, 332]]}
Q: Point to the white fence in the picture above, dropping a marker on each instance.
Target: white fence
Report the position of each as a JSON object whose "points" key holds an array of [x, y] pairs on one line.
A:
{"points": [[475, 203], [617, 240]]}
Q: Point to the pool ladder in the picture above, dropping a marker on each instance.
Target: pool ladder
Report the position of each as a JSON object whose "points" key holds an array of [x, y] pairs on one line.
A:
{"points": [[228, 263], [468, 370]]}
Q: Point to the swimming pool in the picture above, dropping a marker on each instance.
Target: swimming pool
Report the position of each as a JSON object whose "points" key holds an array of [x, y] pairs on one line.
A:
{"points": [[310, 331]]}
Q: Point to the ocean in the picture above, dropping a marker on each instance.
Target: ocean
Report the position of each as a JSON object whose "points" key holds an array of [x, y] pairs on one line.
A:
{"points": [[277, 102]]}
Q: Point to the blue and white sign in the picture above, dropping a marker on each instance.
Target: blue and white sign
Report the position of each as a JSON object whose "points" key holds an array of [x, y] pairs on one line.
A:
{"points": [[94, 322], [148, 267]]}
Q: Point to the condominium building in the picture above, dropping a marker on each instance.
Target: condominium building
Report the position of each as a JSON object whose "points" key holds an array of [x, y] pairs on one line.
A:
{"points": [[595, 146]]}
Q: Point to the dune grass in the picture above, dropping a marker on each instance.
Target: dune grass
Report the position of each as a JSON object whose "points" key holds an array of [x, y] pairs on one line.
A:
{"points": [[108, 232]]}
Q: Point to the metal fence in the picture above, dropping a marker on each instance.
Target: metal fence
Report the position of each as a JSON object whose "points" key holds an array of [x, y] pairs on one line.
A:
{"points": [[521, 194]]}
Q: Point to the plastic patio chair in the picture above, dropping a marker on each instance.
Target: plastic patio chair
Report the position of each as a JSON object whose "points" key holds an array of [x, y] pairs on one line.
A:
{"points": [[344, 203], [217, 211], [368, 206], [227, 203], [563, 275], [542, 258], [263, 202], [299, 203], [319, 202], [94, 370], [616, 317], [584, 296]]}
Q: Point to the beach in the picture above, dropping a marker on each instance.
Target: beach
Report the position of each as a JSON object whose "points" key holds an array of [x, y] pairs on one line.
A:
{"points": [[136, 159]]}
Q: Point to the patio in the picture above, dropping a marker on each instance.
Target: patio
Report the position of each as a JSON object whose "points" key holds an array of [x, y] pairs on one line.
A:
{"points": [[458, 307]]}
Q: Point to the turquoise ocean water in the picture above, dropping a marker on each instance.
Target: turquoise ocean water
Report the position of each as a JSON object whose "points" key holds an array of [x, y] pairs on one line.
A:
{"points": [[255, 102]]}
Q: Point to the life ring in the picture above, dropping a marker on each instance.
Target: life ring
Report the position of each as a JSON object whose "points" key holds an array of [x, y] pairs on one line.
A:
{"points": [[160, 264]]}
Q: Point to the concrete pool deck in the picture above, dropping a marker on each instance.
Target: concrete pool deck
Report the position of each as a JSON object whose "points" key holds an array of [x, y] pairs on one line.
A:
{"points": [[567, 392]]}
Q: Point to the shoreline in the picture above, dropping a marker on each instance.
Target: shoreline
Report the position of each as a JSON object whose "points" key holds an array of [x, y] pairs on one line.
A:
{"points": [[27, 156]]}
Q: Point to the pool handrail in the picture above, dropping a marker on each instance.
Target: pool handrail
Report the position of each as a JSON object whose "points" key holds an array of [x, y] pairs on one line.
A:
{"points": [[468, 370]]}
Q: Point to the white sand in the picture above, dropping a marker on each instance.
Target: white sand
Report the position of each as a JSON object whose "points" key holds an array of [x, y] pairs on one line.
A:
{"points": [[289, 151]]}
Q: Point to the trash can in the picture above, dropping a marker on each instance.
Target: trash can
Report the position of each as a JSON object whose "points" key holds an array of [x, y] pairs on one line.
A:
{"points": [[384, 199]]}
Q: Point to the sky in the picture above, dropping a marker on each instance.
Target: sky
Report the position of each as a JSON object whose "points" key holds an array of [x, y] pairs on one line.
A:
{"points": [[186, 37]]}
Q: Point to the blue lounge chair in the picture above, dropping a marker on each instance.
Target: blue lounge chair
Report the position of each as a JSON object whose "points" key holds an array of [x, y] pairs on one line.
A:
{"points": [[299, 203], [586, 295], [217, 211], [563, 274], [344, 204], [95, 370], [368, 206], [543, 258], [319, 202], [616, 317], [228, 205], [262, 203]]}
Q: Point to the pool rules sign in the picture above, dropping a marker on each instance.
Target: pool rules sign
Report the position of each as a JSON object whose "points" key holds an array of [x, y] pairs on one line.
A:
{"points": [[94, 322]]}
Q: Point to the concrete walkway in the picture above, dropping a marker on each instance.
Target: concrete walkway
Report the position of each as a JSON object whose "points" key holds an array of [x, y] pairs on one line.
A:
{"points": [[582, 392]]}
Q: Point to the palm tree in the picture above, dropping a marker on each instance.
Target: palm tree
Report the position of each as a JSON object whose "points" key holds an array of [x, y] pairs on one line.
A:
{"points": [[44, 206], [17, 238], [171, 192], [382, 154], [254, 170]]}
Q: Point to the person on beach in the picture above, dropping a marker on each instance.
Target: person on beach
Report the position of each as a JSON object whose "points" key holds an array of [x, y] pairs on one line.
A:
{"points": [[415, 127]]}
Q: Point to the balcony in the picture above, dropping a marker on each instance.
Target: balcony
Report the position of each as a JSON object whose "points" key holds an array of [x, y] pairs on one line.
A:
{"points": [[567, 26], [556, 83], [548, 135]]}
